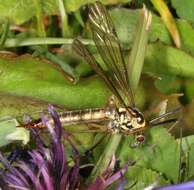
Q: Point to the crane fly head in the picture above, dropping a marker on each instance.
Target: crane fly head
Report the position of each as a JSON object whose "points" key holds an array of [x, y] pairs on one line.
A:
{"points": [[130, 120]]}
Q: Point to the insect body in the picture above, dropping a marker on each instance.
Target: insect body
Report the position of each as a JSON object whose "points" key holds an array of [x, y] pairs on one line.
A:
{"points": [[118, 120], [125, 118]]}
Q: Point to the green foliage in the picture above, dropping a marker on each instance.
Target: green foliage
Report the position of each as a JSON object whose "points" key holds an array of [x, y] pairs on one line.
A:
{"points": [[184, 9], [168, 58], [143, 177], [20, 11], [9, 132], [32, 77], [155, 154], [190, 162], [28, 84]]}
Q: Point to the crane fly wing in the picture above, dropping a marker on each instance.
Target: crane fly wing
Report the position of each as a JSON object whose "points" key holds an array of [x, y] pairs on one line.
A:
{"points": [[108, 46], [82, 51]]}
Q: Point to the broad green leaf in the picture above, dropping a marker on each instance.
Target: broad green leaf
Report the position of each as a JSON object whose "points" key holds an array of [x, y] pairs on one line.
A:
{"points": [[184, 9], [126, 29], [31, 77], [187, 36], [20, 11], [73, 5], [12, 106], [143, 177], [166, 60], [161, 153], [168, 84], [20, 134], [63, 64], [9, 132]]}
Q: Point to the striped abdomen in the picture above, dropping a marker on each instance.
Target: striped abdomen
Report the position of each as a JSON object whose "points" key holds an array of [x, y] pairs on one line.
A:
{"points": [[75, 117]]}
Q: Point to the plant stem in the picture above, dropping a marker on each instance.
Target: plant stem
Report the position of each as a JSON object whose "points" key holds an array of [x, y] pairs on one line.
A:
{"points": [[39, 17], [64, 19], [18, 42], [106, 156]]}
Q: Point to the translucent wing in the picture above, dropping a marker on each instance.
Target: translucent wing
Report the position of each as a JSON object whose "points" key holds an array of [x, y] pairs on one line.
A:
{"points": [[109, 48], [81, 50]]}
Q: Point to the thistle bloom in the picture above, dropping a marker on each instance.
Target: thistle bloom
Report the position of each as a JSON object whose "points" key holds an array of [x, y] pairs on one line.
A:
{"points": [[108, 177], [47, 167]]}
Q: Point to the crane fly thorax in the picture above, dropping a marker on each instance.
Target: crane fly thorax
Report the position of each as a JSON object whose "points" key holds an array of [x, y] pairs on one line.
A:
{"points": [[127, 120]]}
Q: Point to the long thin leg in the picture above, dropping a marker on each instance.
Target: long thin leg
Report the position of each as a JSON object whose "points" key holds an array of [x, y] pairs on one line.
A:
{"points": [[165, 122], [164, 115]]}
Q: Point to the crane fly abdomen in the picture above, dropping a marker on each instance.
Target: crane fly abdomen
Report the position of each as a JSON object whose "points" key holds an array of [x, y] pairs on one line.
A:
{"points": [[120, 120]]}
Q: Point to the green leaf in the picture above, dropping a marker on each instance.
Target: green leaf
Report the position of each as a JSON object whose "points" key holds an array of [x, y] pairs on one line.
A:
{"points": [[168, 84], [16, 106], [186, 142], [20, 11], [188, 149], [126, 29], [73, 5], [161, 153], [9, 132], [168, 20], [29, 77], [191, 161], [189, 90], [142, 177], [184, 9], [187, 36], [137, 54], [63, 64], [126, 32], [165, 60]]}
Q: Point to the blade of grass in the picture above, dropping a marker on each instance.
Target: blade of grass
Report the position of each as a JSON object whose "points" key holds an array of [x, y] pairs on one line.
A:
{"points": [[64, 19], [39, 16], [136, 64], [106, 156], [19, 42], [79, 18], [168, 19], [136, 58], [4, 34]]}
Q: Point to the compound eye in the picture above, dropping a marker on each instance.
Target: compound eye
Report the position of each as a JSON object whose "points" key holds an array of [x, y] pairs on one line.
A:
{"points": [[140, 119]]}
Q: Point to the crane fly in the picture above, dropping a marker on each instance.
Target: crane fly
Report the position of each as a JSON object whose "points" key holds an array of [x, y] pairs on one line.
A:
{"points": [[125, 118]]}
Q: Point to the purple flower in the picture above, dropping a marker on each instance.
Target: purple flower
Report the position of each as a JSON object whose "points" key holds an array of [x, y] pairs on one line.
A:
{"points": [[181, 186], [109, 177], [47, 168]]}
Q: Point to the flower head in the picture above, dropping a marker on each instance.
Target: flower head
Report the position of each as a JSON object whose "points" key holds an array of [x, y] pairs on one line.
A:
{"points": [[46, 166]]}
